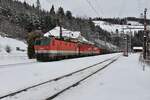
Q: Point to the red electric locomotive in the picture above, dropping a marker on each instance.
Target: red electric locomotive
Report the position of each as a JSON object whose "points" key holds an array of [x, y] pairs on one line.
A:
{"points": [[52, 48]]}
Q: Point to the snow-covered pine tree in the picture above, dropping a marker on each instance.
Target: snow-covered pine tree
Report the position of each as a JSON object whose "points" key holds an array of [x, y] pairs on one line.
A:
{"points": [[52, 11], [38, 4]]}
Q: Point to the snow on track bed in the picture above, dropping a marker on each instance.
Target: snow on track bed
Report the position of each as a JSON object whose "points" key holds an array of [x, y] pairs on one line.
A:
{"points": [[16, 64], [58, 85], [81, 80], [10, 61], [122, 80], [13, 59]]}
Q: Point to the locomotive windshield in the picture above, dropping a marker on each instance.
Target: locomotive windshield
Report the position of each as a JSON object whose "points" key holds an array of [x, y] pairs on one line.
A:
{"points": [[44, 41]]}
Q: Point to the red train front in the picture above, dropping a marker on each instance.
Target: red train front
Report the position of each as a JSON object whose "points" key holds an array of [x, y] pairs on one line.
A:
{"points": [[51, 48]]}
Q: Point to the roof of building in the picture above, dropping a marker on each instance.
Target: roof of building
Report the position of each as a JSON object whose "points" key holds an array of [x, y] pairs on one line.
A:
{"points": [[139, 48]]}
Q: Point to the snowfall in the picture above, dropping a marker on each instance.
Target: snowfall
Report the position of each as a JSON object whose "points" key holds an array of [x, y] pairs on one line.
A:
{"points": [[125, 79]]}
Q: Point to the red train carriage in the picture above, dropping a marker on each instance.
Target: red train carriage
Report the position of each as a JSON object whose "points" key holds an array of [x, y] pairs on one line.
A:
{"points": [[52, 48], [96, 50], [88, 49]]}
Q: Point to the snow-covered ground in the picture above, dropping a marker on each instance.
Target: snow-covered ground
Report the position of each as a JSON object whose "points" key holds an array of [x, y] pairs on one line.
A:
{"points": [[13, 44], [14, 56], [112, 27], [30, 74], [134, 23], [123, 80]]}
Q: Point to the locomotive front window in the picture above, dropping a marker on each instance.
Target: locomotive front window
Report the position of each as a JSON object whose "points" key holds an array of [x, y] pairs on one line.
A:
{"points": [[38, 42], [45, 41]]}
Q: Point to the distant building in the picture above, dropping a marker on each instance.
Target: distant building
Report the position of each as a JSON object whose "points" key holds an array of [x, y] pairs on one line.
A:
{"points": [[137, 49]]}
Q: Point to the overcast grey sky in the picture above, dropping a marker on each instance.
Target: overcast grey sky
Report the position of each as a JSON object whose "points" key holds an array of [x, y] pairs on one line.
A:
{"points": [[104, 8]]}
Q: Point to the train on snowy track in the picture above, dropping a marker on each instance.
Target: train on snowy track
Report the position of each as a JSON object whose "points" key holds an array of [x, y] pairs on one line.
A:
{"points": [[52, 48]]}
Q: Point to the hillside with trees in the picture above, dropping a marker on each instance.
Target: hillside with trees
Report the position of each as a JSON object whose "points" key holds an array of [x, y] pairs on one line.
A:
{"points": [[17, 19], [122, 21]]}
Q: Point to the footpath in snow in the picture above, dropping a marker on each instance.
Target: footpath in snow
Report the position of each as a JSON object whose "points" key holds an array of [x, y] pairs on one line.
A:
{"points": [[123, 80]]}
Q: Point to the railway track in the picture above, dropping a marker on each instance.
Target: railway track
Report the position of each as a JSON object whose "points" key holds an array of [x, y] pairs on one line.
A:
{"points": [[16, 64], [63, 83]]}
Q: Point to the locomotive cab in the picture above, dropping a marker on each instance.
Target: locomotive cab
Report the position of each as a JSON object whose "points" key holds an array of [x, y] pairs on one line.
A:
{"points": [[42, 46]]}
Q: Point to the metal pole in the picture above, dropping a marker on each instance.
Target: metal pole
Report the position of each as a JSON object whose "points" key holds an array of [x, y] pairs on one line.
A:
{"points": [[144, 49], [127, 44], [60, 28], [130, 41], [145, 36]]}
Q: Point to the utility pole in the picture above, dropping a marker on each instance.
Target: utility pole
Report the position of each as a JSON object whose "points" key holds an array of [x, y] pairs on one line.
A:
{"points": [[60, 31], [130, 39], [127, 44], [60, 24], [145, 36], [125, 53]]}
